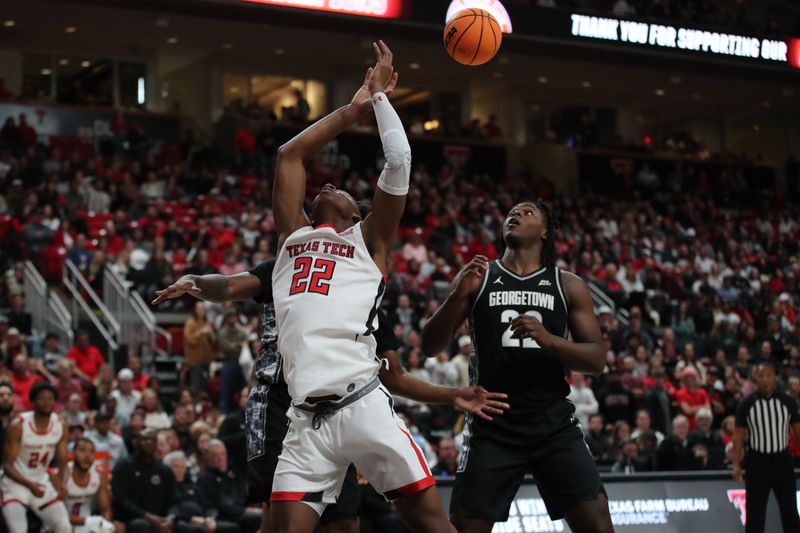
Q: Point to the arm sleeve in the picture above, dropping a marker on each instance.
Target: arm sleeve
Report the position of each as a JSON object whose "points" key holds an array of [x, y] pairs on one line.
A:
{"points": [[384, 336], [263, 271], [397, 171]]}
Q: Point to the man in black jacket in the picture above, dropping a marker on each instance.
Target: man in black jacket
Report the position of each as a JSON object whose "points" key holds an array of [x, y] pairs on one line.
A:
{"points": [[219, 484], [143, 489], [231, 433]]}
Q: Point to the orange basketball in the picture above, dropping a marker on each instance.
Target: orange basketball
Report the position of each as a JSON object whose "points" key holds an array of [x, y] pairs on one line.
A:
{"points": [[472, 37]]}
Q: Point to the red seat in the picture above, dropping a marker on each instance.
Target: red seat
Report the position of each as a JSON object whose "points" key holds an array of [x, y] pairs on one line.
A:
{"points": [[177, 340]]}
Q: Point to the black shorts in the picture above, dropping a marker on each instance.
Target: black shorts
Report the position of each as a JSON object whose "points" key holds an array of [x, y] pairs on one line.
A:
{"points": [[556, 454], [266, 427]]}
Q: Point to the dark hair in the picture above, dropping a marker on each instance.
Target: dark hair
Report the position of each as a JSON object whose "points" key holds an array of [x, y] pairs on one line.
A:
{"points": [[84, 439], [364, 207], [549, 243], [39, 387], [769, 364]]}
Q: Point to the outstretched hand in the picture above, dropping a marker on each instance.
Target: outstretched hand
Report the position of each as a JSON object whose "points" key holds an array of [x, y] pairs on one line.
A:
{"points": [[381, 77], [176, 290], [480, 402]]}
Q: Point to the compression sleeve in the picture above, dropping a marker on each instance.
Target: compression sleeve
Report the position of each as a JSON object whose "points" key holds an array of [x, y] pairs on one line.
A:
{"points": [[397, 170]]}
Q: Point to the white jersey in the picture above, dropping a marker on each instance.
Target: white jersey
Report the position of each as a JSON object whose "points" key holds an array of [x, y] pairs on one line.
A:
{"points": [[80, 497], [327, 290], [37, 450]]}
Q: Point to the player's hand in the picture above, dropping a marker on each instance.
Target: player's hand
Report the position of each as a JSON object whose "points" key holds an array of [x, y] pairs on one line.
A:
{"points": [[737, 473], [528, 327], [362, 98], [185, 285], [383, 72], [469, 278], [62, 491], [480, 402], [38, 490], [210, 525]]}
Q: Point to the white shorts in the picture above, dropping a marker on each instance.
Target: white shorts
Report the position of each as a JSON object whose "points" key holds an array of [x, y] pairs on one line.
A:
{"points": [[367, 433], [13, 492]]}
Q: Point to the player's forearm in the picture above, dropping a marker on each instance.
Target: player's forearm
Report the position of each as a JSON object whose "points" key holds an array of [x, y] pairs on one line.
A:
{"points": [[401, 384], [310, 141], [584, 357], [442, 326], [76, 520], [738, 447], [213, 287], [11, 473]]}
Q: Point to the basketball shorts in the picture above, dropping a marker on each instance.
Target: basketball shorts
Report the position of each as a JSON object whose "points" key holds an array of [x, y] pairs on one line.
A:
{"points": [[266, 424], [14, 492], [367, 433], [491, 472]]}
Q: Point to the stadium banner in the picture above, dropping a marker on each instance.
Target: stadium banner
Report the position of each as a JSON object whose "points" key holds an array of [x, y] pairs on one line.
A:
{"points": [[89, 123], [363, 8], [651, 505]]}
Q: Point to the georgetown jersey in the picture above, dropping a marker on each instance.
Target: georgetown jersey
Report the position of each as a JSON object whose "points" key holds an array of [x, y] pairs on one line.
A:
{"points": [[37, 450], [268, 364], [327, 290], [519, 367]]}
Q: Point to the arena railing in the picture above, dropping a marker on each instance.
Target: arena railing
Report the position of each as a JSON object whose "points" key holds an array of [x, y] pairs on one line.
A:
{"points": [[139, 331], [100, 316], [600, 299], [49, 313]]}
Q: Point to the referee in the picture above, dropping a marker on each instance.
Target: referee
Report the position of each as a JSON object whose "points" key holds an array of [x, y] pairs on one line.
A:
{"points": [[765, 416]]}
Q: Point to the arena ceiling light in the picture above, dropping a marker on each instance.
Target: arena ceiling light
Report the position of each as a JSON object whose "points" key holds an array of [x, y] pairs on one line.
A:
{"points": [[71, 29], [86, 64], [660, 92], [414, 66], [542, 79], [377, 9], [586, 84], [63, 61], [172, 40], [227, 46], [280, 51], [9, 23]]}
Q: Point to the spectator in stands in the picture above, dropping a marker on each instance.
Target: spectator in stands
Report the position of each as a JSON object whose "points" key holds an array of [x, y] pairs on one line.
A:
{"points": [[616, 402], [628, 459], [51, 355], [127, 398], [18, 317], [690, 398], [442, 371], [447, 459], [97, 198], [415, 249], [619, 434], [582, 396], [7, 401], [220, 485], [157, 273], [198, 338], [683, 325], [73, 412], [106, 442], [22, 379], [25, 132], [201, 435], [709, 438], [596, 438], [104, 385], [140, 378], [143, 489], [37, 235], [13, 344], [182, 420], [131, 431], [154, 415], [232, 434], [66, 384], [675, 452], [87, 358], [643, 421], [80, 255], [461, 360], [230, 337]]}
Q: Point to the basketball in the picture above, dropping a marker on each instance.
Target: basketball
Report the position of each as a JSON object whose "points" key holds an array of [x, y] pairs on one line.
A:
{"points": [[472, 37]]}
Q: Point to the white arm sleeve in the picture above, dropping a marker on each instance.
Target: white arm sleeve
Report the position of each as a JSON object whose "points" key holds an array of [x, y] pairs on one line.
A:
{"points": [[397, 171]]}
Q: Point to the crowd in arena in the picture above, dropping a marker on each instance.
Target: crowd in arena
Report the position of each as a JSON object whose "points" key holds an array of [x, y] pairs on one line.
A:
{"points": [[703, 286]]}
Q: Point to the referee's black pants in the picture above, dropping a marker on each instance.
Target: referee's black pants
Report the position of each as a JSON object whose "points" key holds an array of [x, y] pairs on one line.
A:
{"points": [[767, 472]]}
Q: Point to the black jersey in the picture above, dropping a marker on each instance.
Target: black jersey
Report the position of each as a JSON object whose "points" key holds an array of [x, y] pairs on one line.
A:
{"points": [[518, 367]]}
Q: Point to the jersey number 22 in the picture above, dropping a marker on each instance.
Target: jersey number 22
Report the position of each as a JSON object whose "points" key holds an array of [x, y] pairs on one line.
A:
{"points": [[320, 272], [514, 342]]}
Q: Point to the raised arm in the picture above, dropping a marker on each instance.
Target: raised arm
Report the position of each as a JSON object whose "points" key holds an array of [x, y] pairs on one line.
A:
{"points": [[389, 201], [443, 325], [585, 352], [475, 400]]}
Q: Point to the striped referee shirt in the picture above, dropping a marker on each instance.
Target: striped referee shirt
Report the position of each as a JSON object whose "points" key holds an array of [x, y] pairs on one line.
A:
{"points": [[768, 421]]}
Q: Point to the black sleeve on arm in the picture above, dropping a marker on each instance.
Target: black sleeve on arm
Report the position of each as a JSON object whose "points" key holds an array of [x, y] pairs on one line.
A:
{"points": [[741, 412], [263, 271], [384, 335], [794, 416]]}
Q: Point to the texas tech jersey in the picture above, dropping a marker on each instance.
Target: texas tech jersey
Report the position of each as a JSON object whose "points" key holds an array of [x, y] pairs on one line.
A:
{"points": [[327, 290], [80, 497], [519, 367], [37, 450]]}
